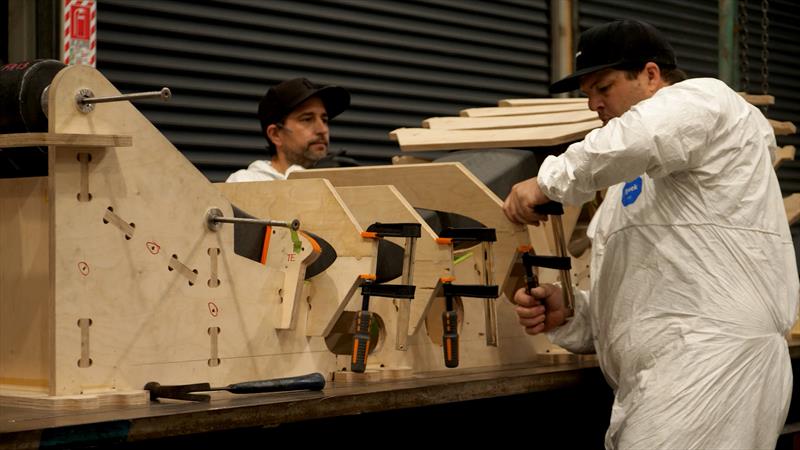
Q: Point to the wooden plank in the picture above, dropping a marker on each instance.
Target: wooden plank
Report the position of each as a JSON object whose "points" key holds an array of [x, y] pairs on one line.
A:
{"points": [[515, 102], [408, 159], [519, 110], [792, 206], [758, 100], [421, 139], [527, 120], [785, 153], [64, 140], [782, 128]]}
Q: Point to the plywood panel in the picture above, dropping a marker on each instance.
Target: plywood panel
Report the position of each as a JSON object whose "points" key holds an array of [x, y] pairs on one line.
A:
{"points": [[515, 102], [130, 267], [24, 279], [528, 120], [520, 110]]}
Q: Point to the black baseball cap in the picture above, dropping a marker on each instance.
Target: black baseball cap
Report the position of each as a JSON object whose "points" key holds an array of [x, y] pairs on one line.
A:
{"points": [[620, 44], [282, 98]]}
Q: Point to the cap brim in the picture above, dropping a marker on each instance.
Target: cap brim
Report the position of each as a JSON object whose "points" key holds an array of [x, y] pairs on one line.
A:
{"points": [[572, 82], [335, 98]]}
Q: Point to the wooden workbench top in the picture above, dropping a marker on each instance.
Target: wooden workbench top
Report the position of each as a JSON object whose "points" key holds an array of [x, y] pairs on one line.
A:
{"points": [[227, 411]]}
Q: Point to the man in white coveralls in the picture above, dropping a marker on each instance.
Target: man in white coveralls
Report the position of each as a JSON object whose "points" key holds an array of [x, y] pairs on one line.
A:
{"points": [[694, 277]]}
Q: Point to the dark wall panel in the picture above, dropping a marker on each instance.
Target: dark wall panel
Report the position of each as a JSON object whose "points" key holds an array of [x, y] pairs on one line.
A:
{"points": [[402, 60], [690, 25]]}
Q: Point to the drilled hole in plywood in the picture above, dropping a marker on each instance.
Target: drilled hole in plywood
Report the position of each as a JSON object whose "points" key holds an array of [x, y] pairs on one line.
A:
{"points": [[109, 209], [86, 364], [127, 236], [190, 281], [89, 197]]}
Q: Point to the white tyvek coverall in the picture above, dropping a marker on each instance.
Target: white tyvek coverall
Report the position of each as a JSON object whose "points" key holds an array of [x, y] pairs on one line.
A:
{"points": [[694, 279]]}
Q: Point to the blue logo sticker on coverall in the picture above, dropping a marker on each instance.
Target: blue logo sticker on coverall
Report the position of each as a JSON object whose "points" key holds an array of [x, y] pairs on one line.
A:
{"points": [[631, 191]]}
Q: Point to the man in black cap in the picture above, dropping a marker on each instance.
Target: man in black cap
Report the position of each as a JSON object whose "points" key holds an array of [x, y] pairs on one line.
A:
{"points": [[294, 119], [694, 279]]}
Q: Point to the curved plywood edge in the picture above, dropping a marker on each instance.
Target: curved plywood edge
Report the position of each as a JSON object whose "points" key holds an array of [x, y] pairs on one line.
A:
{"points": [[782, 128], [385, 204], [135, 265], [527, 120], [422, 139], [540, 101], [519, 110], [315, 203], [63, 140]]}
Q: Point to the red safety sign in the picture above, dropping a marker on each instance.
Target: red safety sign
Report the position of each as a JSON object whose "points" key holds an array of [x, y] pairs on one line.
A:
{"points": [[80, 32]]}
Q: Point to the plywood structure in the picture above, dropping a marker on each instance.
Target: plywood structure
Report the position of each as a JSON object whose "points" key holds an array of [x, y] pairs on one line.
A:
{"points": [[450, 187], [322, 212], [112, 278]]}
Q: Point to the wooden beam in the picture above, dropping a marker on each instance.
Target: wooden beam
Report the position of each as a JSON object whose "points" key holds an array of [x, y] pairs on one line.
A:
{"points": [[784, 154], [782, 128], [419, 139], [758, 100], [540, 101], [519, 110], [64, 140], [528, 120]]}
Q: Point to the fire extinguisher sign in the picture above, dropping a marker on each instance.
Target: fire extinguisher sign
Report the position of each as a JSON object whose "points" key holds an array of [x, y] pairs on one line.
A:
{"points": [[80, 32]]}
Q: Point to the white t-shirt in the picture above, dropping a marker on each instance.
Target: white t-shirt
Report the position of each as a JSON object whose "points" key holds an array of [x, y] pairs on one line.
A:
{"points": [[261, 170]]}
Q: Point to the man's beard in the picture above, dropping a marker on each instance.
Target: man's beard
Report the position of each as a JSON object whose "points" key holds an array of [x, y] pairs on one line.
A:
{"points": [[307, 158]]}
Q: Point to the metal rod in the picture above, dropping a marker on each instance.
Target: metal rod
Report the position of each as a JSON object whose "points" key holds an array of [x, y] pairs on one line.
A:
{"points": [[164, 94], [294, 224], [561, 250]]}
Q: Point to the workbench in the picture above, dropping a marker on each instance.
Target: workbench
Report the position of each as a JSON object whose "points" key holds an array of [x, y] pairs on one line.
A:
{"points": [[406, 408], [561, 400]]}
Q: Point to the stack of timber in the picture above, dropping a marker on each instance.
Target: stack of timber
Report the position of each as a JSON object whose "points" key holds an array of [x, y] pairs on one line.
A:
{"points": [[514, 123]]}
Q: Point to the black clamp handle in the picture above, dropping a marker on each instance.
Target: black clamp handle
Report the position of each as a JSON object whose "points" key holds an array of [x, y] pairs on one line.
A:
{"points": [[550, 208], [381, 230], [469, 234]]}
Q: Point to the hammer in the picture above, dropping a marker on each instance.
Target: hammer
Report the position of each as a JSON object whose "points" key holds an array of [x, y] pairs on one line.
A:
{"points": [[313, 382]]}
